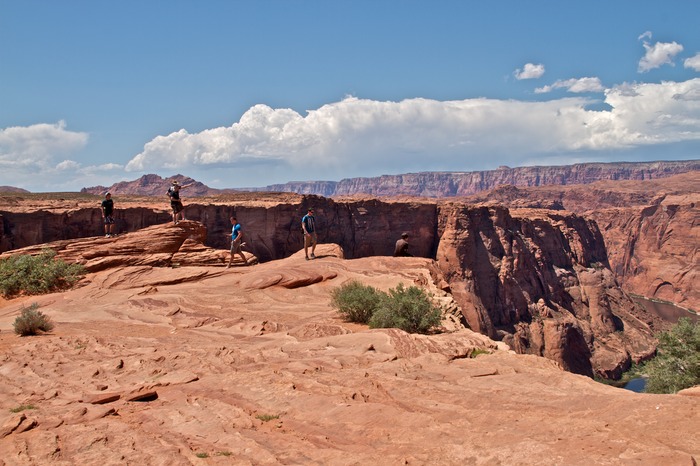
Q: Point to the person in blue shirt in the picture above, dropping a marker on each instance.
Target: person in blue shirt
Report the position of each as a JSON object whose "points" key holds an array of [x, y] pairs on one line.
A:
{"points": [[236, 242], [308, 224]]}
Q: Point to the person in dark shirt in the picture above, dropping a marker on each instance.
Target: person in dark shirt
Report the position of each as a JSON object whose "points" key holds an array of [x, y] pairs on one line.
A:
{"points": [[108, 215], [175, 202], [401, 249], [308, 225]]}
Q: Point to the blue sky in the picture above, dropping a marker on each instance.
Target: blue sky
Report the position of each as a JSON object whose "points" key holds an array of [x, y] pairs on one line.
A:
{"points": [[250, 93]]}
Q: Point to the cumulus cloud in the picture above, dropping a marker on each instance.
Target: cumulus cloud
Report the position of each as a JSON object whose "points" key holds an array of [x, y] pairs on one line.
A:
{"points": [[658, 54], [33, 157], [693, 62], [529, 71], [359, 137], [38, 145], [575, 85]]}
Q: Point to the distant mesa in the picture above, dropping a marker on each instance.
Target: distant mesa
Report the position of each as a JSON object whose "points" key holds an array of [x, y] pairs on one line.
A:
{"points": [[154, 185], [426, 184], [12, 189]]}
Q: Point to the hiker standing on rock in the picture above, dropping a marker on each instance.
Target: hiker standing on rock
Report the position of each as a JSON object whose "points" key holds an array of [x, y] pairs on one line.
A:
{"points": [[175, 202], [236, 242], [108, 215], [308, 224]]}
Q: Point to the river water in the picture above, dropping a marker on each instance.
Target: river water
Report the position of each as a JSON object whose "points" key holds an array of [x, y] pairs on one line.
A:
{"points": [[667, 312]]}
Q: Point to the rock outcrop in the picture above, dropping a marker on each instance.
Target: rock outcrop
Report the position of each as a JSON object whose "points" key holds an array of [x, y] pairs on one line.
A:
{"points": [[539, 280], [164, 245]]}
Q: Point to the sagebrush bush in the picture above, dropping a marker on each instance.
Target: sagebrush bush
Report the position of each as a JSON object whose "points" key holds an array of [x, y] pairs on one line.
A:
{"points": [[409, 309], [38, 274], [677, 364], [356, 302], [31, 321]]}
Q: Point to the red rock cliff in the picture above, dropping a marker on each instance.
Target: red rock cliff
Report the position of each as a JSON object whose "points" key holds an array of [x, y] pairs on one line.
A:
{"points": [[651, 229]]}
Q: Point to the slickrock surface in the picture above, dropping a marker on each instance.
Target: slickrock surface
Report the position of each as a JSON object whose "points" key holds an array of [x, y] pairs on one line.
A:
{"points": [[251, 365]]}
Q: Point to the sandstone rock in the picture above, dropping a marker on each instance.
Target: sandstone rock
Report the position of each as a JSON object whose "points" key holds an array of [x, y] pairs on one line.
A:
{"points": [[650, 229], [100, 398], [337, 392]]}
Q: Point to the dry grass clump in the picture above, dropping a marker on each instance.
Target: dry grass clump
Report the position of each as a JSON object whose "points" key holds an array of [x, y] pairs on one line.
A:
{"points": [[31, 321]]}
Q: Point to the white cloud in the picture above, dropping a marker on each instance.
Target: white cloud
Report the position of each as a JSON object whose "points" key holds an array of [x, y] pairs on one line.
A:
{"points": [[32, 157], [68, 165], [358, 137], [575, 85], [693, 62], [659, 54], [529, 71], [37, 145]]}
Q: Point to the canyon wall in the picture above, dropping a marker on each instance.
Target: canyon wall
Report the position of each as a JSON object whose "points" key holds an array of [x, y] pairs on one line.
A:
{"points": [[451, 184], [536, 279], [651, 229]]}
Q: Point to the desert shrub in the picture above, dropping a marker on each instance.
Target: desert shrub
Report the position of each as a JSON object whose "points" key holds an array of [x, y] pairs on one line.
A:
{"points": [[409, 309], [21, 408], [38, 274], [356, 302], [677, 364], [31, 321]]}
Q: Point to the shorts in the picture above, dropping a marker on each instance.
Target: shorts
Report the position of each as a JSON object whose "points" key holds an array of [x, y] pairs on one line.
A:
{"points": [[177, 206], [310, 239], [109, 220], [235, 246]]}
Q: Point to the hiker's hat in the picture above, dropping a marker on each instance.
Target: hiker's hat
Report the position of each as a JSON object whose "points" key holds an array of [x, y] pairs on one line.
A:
{"points": [[175, 183]]}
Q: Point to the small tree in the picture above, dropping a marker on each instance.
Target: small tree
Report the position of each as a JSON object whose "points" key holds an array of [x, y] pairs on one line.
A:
{"points": [[356, 302], [31, 321], [409, 309], [677, 364]]}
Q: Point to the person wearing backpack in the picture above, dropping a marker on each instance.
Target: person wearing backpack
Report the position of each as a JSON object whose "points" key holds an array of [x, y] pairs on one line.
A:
{"points": [[175, 202], [308, 225], [236, 242]]}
